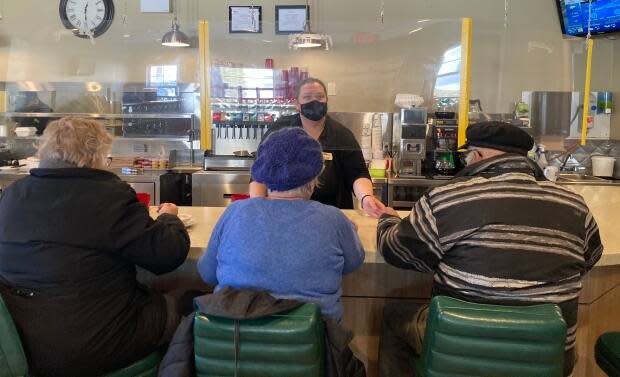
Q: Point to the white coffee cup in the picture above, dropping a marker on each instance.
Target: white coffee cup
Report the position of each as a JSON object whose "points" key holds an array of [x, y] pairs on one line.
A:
{"points": [[551, 172], [603, 166]]}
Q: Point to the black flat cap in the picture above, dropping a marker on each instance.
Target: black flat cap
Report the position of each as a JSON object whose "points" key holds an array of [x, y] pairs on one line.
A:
{"points": [[498, 135]]}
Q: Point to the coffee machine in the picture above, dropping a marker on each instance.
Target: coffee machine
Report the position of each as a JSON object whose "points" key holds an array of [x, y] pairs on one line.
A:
{"points": [[412, 146], [443, 156]]}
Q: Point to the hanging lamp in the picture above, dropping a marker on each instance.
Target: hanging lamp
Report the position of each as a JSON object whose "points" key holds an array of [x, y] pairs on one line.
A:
{"points": [[308, 39], [175, 37]]}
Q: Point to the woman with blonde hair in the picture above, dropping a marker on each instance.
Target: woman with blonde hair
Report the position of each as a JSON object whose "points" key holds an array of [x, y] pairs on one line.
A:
{"points": [[71, 236]]}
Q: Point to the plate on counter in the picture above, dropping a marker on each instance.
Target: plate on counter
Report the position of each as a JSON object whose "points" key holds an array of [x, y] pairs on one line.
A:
{"points": [[188, 220]]}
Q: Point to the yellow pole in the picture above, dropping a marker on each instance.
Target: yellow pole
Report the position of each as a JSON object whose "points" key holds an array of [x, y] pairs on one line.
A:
{"points": [[586, 93], [205, 86], [466, 27]]}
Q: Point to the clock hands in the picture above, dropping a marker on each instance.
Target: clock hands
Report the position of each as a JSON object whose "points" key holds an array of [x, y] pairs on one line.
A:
{"points": [[87, 30]]}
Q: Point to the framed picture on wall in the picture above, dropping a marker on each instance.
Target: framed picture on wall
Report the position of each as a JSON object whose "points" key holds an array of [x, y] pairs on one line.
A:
{"points": [[291, 19], [245, 19]]}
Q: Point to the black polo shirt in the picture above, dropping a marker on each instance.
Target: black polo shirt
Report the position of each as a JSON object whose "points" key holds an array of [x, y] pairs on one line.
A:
{"points": [[344, 161]]}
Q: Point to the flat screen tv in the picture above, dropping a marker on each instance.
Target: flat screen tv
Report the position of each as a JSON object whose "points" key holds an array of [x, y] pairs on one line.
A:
{"points": [[574, 16]]}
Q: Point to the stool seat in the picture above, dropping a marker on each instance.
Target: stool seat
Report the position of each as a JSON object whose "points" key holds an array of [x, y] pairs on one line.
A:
{"points": [[607, 353], [13, 361], [469, 339], [289, 344]]}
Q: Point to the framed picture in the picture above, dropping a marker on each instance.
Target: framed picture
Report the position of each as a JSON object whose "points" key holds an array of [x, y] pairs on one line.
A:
{"points": [[245, 19], [291, 19]]}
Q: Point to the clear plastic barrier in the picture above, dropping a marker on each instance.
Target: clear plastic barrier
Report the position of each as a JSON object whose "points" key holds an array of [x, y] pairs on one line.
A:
{"points": [[534, 76]]}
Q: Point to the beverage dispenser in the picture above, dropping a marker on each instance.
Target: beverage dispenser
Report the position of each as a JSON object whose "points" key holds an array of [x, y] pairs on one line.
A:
{"points": [[413, 136]]}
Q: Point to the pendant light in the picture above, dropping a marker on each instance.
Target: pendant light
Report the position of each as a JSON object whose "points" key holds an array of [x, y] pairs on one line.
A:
{"points": [[175, 37], [308, 39]]}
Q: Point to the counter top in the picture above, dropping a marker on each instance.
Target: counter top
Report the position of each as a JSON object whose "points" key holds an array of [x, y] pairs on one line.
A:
{"points": [[604, 202], [206, 217]]}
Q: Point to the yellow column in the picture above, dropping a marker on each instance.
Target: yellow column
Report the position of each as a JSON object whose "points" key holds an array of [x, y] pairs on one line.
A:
{"points": [[205, 86], [586, 93], [466, 27]]}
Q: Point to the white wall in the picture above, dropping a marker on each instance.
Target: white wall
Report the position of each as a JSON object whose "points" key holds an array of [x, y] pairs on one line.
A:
{"points": [[528, 54]]}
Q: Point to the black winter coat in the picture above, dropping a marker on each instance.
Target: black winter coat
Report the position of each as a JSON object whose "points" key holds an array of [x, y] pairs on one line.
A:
{"points": [[70, 241]]}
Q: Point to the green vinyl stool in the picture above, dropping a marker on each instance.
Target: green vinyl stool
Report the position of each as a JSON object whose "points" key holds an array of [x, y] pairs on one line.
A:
{"points": [[468, 339], [13, 362], [607, 353], [289, 344]]}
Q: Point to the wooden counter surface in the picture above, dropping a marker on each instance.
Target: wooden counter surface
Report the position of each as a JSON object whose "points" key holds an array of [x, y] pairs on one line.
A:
{"points": [[604, 204]]}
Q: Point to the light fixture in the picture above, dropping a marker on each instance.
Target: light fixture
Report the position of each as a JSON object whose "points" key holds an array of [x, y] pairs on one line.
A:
{"points": [[308, 39], [175, 37]]}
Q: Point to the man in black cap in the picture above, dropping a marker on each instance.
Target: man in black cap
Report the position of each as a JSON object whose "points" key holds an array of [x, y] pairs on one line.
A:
{"points": [[498, 233]]}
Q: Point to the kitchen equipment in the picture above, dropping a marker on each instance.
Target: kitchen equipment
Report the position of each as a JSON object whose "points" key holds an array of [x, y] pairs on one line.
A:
{"points": [[445, 115], [560, 114], [404, 192], [443, 157], [603, 166], [4, 131], [25, 131], [227, 163], [413, 140], [223, 178], [214, 188], [244, 154]]}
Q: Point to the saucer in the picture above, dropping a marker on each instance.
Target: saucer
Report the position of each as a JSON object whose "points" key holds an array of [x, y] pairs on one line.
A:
{"points": [[188, 220]]}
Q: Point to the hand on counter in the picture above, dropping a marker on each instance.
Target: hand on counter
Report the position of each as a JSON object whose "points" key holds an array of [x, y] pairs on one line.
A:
{"points": [[390, 211], [169, 208], [373, 206]]}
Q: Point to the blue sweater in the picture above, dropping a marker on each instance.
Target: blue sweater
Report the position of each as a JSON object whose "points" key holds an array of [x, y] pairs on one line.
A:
{"points": [[295, 249]]}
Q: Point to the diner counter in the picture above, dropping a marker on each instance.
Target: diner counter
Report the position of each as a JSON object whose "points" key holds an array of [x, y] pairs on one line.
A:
{"points": [[366, 291], [604, 204]]}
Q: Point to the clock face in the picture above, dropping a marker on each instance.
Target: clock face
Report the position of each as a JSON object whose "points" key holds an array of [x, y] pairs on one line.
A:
{"points": [[87, 17]]}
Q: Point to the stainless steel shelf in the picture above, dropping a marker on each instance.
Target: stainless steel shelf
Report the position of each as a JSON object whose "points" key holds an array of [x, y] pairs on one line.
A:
{"points": [[100, 116]]}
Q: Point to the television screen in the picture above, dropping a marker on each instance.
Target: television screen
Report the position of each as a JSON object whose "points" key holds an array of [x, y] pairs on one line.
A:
{"points": [[574, 16]]}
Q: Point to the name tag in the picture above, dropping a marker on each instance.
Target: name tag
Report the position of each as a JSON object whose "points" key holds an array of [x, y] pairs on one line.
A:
{"points": [[327, 156]]}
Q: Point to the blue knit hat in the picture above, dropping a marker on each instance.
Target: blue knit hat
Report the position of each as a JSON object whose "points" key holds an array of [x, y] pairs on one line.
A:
{"points": [[287, 159]]}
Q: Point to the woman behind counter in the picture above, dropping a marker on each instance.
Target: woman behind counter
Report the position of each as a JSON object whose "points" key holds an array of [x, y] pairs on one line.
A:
{"points": [[71, 236], [345, 169]]}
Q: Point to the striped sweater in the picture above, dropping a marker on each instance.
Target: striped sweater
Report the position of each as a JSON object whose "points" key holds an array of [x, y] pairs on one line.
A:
{"points": [[499, 233]]}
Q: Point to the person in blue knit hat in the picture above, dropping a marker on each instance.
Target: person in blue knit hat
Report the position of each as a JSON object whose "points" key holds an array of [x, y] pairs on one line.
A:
{"points": [[285, 243]]}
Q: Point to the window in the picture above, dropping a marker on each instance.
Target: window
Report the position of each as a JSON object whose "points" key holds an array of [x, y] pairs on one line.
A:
{"points": [[255, 83], [164, 78], [448, 82]]}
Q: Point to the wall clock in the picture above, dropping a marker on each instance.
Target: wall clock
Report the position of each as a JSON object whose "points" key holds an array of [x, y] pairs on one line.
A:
{"points": [[86, 17]]}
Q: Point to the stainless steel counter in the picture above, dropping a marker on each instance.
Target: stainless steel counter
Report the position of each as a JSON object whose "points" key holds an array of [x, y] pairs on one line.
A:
{"points": [[148, 182], [216, 188]]}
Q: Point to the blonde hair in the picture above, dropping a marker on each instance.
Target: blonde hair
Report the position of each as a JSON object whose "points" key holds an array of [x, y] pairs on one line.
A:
{"points": [[78, 141]]}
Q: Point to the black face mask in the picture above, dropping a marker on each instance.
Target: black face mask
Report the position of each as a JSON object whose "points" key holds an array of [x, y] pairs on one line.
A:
{"points": [[314, 110]]}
